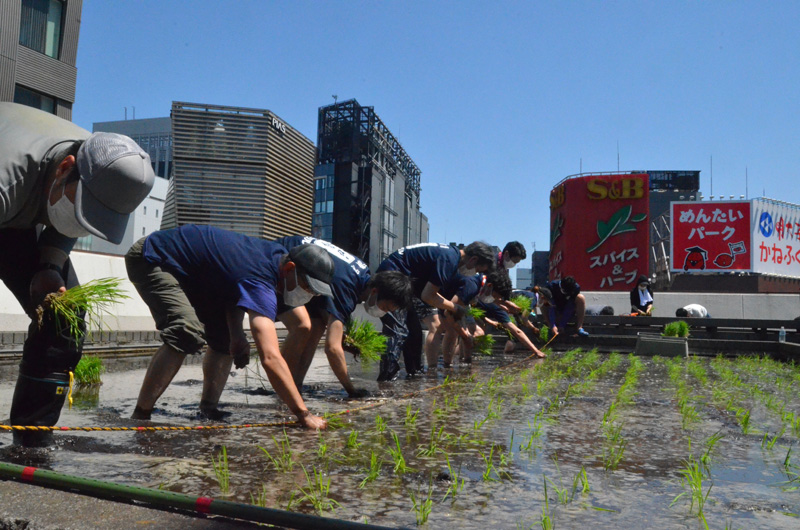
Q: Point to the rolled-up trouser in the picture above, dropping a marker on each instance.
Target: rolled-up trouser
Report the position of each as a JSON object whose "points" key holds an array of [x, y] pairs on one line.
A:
{"points": [[185, 317], [49, 353]]}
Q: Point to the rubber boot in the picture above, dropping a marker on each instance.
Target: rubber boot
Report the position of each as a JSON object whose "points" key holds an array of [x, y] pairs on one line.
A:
{"points": [[38, 402]]}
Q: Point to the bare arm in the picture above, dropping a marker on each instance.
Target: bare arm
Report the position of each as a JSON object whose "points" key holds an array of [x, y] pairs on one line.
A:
{"points": [[335, 354], [266, 339], [520, 336], [430, 295]]}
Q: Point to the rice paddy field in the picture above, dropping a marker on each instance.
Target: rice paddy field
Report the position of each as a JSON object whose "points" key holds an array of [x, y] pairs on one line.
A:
{"points": [[577, 439]]}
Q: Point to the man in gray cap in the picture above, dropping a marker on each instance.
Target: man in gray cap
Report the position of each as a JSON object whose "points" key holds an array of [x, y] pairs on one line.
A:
{"points": [[199, 281], [58, 182]]}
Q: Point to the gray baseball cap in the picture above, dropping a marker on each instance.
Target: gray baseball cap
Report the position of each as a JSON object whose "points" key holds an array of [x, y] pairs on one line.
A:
{"points": [[316, 265], [115, 177]]}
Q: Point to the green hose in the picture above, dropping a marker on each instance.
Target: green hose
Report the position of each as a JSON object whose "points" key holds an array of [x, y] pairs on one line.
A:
{"points": [[167, 499]]}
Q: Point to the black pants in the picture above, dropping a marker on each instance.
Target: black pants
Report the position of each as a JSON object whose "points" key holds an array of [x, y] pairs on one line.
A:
{"points": [[49, 354], [403, 330]]}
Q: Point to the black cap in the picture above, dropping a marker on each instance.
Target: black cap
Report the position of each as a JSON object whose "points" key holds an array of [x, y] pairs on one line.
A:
{"points": [[316, 265]]}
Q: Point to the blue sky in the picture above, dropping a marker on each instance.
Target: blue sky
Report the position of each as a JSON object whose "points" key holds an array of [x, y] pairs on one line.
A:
{"points": [[495, 101]]}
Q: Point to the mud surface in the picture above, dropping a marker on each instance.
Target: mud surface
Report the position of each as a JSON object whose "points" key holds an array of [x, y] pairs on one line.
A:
{"points": [[503, 436]]}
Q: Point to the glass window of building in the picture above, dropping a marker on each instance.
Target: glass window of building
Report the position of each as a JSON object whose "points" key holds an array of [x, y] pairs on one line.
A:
{"points": [[34, 99], [40, 26]]}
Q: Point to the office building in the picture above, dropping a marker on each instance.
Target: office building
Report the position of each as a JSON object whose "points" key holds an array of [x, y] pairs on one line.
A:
{"points": [[240, 169], [38, 52], [366, 187]]}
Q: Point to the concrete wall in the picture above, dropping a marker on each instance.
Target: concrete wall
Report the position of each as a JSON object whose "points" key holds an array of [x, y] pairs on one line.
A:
{"points": [[760, 306], [129, 315]]}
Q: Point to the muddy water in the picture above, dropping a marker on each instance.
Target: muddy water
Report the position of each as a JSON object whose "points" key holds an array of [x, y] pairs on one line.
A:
{"points": [[501, 436]]}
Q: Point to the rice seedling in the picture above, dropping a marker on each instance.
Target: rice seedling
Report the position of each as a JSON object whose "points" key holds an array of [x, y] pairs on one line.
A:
{"points": [[352, 441], [221, 470], [335, 421], [476, 312], [380, 424], [81, 307], [322, 448], [434, 444], [89, 370], [373, 470], [284, 459], [456, 481], [546, 520], [400, 466], [544, 334], [676, 329], [411, 417], [769, 444], [490, 468], [316, 492], [614, 448], [422, 508], [582, 480], [743, 417], [363, 340], [261, 499], [524, 304], [710, 444], [692, 481]]}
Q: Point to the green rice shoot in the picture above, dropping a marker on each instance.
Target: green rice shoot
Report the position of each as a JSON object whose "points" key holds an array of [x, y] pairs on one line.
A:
{"points": [[524, 303], [93, 299], [544, 333], [361, 336], [89, 370], [676, 329], [476, 312], [482, 344]]}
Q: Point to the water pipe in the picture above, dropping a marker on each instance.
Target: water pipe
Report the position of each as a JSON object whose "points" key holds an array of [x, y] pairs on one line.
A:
{"points": [[170, 500]]}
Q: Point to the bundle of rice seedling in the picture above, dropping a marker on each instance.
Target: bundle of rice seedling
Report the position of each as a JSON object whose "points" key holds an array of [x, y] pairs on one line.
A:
{"points": [[544, 334], [676, 329], [482, 344], [361, 338], [524, 303], [89, 370], [476, 312], [81, 307]]}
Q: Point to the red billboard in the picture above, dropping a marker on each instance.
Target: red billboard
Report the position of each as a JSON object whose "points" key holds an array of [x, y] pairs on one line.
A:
{"points": [[710, 236], [599, 230]]}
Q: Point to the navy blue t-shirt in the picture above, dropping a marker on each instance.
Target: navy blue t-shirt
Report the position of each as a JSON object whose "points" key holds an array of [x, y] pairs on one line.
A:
{"points": [[350, 275], [426, 262], [470, 286], [495, 312], [560, 300], [235, 269]]}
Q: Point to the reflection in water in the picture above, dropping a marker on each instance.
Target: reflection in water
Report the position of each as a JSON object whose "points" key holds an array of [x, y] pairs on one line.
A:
{"points": [[505, 433]]}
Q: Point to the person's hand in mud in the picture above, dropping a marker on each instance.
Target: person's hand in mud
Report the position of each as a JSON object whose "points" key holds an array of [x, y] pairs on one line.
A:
{"points": [[43, 283], [309, 421], [358, 393], [240, 350]]}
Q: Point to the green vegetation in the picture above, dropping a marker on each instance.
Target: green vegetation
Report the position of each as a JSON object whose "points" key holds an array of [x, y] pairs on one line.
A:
{"points": [[362, 339], [221, 470], [676, 329], [89, 370], [476, 312], [524, 303], [482, 344], [82, 307]]}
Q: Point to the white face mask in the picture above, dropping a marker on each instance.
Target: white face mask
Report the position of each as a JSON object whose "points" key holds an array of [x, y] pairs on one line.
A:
{"points": [[508, 263], [297, 296], [486, 299], [372, 307], [62, 216], [642, 287], [463, 270]]}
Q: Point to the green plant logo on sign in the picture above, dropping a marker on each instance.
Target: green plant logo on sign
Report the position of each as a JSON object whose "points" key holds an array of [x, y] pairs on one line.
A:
{"points": [[555, 232], [616, 225]]}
